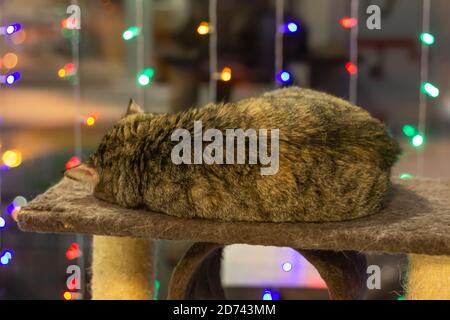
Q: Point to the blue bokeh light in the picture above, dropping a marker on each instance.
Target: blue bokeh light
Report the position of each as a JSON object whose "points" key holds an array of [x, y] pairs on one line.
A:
{"points": [[292, 27]]}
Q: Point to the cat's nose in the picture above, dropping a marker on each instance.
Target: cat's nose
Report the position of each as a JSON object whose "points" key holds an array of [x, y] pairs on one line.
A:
{"points": [[83, 173]]}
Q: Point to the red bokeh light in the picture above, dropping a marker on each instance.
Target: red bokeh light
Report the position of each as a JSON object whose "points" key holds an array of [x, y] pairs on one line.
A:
{"points": [[73, 252], [351, 68], [348, 23], [73, 162]]}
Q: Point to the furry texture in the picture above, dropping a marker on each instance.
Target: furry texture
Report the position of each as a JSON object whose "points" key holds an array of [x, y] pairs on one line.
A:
{"points": [[428, 277], [335, 162], [417, 220], [121, 269]]}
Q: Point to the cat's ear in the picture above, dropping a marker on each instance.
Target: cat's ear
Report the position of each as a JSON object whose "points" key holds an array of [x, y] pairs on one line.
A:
{"points": [[83, 173], [133, 108]]}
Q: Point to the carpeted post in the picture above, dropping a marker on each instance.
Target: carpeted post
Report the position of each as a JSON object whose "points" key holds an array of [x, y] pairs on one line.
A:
{"points": [[121, 269], [428, 277]]}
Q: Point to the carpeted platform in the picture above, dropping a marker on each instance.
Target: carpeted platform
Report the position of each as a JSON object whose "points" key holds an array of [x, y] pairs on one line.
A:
{"points": [[417, 220]]}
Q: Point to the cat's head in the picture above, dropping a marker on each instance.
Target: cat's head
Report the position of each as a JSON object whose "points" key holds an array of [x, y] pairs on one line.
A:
{"points": [[110, 159]]}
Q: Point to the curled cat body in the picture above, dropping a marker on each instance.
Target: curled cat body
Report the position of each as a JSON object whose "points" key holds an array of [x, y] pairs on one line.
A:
{"points": [[334, 162]]}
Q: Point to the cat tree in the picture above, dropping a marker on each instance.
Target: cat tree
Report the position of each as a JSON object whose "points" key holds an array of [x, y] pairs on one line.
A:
{"points": [[416, 222]]}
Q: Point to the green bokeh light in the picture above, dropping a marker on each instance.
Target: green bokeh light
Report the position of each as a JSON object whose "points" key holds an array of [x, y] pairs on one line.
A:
{"points": [[406, 176], [409, 130], [430, 89], [418, 140], [427, 38], [144, 77], [130, 33]]}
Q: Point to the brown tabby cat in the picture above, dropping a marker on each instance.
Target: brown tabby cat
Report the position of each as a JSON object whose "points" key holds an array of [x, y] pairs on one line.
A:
{"points": [[334, 162]]}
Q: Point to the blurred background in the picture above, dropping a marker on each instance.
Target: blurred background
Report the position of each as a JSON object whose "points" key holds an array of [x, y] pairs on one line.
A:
{"points": [[56, 113]]}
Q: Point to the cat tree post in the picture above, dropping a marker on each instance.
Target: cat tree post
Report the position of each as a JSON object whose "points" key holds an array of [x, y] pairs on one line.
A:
{"points": [[428, 277], [121, 269]]}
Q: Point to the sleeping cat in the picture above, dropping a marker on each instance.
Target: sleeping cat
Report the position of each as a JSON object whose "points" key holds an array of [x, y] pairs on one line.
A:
{"points": [[334, 162]]}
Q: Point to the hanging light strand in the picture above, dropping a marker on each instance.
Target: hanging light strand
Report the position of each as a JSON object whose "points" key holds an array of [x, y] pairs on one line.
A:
{"points": [[352, 65], [424, 70], [280, 75], [213, 65]]}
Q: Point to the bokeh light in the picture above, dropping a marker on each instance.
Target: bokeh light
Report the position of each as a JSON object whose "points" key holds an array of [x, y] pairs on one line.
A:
{"points": [[67, 295], [61, 73], [409, 130], [73, 162], [267, 295], [12, 158], [225, 75], [430, 89], [130, 33], [287, 266], [2, 222], [90, 121], [20, 201], [145, 76], [351, 68], [73, 251], [203, 28], [427, 38], [10, 60], [418, 140], [292, 27], [19, 37], [347, 22], [5, 257], [284, 77]]}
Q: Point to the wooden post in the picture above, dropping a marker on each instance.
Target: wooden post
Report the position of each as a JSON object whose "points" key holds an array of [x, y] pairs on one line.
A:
{"points": [[428, 277], [121, 269]]}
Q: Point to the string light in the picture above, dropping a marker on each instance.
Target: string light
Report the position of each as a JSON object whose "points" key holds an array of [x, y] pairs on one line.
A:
{"points": [[269, 294], [10, 29], [12, 158], [6, 257], [284, 77], [427, 38], [291, 27], [426, 88], [2, 222], [409, 130], [430, 89], [68, 70], [405, 176], [352, 65], [351, 68], [347, 22], [67, 295], [19, 37], [61, 73], [130, 33], [10, 60], [10, 79], [20, 201], [73, 162], [203, 28], [10, 208], [145, 76], [418, 140], [225, 75], [90, 121], [73, 251], [157, 287], [287, 266]]}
